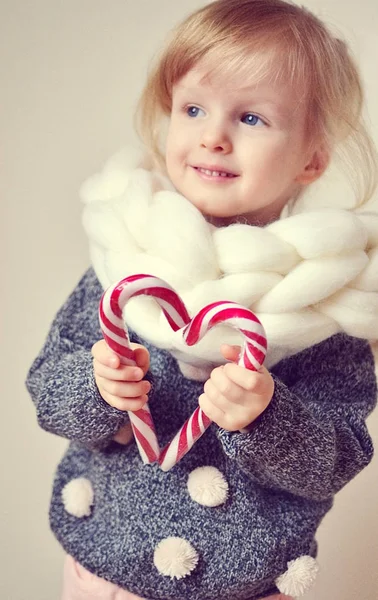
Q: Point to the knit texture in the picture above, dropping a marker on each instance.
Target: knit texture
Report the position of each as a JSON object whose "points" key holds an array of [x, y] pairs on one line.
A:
{"points": [[281, 476], [309, 275]]}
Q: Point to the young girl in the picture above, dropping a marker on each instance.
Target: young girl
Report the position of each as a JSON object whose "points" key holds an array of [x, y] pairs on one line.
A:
{"points": [[243, 111]]}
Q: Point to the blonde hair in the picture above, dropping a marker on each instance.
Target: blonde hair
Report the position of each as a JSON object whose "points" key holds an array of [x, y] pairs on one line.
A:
{"points": [[291, 43]]}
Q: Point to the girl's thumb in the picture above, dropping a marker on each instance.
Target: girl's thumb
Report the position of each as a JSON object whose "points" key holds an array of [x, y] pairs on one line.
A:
{"points": [[230, 352], [142, 357]]}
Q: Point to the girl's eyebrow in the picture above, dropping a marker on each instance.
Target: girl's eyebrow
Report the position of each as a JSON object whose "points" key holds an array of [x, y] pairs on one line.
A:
{"points": [[181, 87], [280, 108], [252, 95]]}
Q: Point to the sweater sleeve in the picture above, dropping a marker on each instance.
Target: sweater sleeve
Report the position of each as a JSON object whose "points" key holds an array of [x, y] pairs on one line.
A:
{"points": [[61, 380], [312, 439]]}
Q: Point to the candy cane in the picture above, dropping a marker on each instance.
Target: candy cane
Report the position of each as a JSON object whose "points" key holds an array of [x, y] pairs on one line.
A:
{"points": [[116, 335], [252, 357]]}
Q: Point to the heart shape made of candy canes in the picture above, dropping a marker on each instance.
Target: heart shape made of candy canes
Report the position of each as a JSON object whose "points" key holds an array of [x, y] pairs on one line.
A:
{"points": [[193, 329]]}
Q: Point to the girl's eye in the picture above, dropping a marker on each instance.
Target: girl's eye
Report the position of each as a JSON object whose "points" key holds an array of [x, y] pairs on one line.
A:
{"points": [[251, 119], [193, 111]]}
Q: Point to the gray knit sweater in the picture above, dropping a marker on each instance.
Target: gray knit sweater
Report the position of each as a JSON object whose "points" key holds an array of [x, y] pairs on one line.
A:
{"points": [[282, 475]]}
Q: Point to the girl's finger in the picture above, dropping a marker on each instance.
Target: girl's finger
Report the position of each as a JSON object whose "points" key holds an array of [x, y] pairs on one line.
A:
{"points": [[122, 373], [142, 357], [213, 412], [232, 420], [126, 403], [104, 355], [221, 389], [125, 389], [231, 352], [251, 381]]}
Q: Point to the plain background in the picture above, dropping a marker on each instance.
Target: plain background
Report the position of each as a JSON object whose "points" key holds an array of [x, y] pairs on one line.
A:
{"points": [[70, 73]]}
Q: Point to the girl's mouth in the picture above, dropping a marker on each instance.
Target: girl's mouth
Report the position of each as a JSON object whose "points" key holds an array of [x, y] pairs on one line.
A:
{"points": [[214, 174]]}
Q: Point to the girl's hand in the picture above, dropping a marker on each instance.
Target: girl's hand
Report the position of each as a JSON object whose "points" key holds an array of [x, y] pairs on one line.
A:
{"points": [[121, 386], [234, 396]]}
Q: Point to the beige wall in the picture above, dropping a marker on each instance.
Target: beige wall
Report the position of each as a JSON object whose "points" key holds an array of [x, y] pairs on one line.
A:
{"points": [[70, 75]]}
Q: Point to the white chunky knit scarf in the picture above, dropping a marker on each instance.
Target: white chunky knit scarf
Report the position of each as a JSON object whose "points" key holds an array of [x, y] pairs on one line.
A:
{"points": [[307, 276]]}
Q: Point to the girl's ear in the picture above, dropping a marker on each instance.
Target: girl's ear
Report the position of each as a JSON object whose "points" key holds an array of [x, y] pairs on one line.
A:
{"points": [[315, 167]]}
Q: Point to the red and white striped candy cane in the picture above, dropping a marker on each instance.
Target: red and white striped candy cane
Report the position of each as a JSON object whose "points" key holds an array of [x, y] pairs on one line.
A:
{"points": [[116, 335], [252, 357]]}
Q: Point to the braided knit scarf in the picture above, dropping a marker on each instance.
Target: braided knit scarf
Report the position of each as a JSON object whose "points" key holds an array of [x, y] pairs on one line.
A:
{"points": [[307, 276]]}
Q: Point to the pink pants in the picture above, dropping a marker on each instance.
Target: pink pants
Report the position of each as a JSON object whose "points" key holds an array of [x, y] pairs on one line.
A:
{"points": [[80, 584]]}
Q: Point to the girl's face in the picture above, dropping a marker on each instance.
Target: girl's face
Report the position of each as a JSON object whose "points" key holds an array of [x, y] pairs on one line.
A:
{"points": [[235, 149]]}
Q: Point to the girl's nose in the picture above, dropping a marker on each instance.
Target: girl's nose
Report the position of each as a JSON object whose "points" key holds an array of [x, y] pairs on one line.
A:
{"points": [[216, 139]]}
